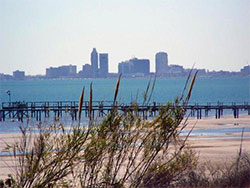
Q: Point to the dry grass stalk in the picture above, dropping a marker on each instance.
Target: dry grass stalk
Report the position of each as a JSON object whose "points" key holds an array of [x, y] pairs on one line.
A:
{"points": [[90, 102], [80, 105], [121, 150], [152, 89], [145, 94], [116, 89], [186, 83], [191, 86]]}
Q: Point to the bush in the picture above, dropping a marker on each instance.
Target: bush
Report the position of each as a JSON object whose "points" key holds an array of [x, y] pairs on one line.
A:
{"points": [[235, 175], [122, 150]]}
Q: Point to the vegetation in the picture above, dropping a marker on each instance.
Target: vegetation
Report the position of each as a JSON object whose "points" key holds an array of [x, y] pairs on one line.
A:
{"points": [[123, 150], [210, 175]]}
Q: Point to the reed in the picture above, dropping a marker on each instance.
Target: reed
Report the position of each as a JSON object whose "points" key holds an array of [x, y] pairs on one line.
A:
{"points": [[191, 86], [80, 105], [152, 90], [122, 150], [90, 102], [116, 89], [209, 175]]}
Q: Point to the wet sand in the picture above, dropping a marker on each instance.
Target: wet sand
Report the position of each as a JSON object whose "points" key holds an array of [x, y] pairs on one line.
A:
{"points": [[219, 148]]}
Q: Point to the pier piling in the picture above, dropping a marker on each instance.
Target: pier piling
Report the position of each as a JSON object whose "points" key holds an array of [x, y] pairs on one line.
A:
{"points": [[38, 110]]}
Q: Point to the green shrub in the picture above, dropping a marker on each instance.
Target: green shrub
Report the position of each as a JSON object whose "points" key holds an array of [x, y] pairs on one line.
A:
{"points": [[123, 150]]}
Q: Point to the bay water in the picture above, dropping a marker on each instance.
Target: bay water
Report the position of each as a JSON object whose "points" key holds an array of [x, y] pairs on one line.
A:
{"points": [[212, 90], [205, 90]]}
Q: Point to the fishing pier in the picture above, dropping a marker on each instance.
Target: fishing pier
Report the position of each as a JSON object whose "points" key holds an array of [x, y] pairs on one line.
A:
{"points": [[57, 109]]}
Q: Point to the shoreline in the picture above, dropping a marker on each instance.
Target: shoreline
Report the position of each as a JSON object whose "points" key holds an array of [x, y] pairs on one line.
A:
{"points": [[227, 121], [219, 149]]}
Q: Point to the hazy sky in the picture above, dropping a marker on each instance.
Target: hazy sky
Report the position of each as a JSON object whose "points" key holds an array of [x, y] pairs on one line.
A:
{"points": [[36, 34]]}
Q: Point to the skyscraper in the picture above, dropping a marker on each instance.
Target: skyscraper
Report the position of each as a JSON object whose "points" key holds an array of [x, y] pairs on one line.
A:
{"points": [[94, 62], [161, 63], [103, 59]]}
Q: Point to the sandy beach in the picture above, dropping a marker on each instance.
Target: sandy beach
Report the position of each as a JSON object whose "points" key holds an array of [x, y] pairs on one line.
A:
{"points": [[219, 148]]}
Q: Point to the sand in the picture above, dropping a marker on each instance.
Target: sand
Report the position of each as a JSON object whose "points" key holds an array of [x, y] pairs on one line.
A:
{"points": [[218, 149], [221, 148]]}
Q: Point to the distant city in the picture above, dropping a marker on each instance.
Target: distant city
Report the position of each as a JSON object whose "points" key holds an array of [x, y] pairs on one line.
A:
{"points": [[132, 68]]}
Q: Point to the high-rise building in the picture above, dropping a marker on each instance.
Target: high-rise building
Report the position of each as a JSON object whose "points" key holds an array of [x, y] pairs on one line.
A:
{"points": [[140, 66], [103, 59], [86, 71], [125, 68], [94, 62], [72, 70], [161, 63], [19, 75], [134, 67], [245, 70], [62, 71]]}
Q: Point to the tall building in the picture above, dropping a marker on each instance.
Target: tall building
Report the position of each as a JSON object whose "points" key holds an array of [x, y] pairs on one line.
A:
{"points": [[134, 67], [161, 63], [19, 75], [103, 59], [176, 69], [125, 68], [71, 70], [94, 62], [140, 66], [62, 71], [86, 71], [245, 70]]}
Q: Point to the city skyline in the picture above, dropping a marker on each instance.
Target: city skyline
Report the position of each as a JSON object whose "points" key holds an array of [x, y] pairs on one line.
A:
{"points": [[39, 34], [134, 67], [94, 69]]}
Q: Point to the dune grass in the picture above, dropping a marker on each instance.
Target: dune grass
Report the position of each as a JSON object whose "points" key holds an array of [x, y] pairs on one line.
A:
{"points": [[123, 150]]}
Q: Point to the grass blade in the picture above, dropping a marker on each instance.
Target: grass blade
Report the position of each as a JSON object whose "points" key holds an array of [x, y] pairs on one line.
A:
{"points": [[186, 83], [145, 94], [117, 88], [80, 105], [152, 90], [90, 101], [191, 86]]}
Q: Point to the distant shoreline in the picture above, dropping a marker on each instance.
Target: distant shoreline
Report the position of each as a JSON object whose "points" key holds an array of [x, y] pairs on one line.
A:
{"points": [[123, 77]]}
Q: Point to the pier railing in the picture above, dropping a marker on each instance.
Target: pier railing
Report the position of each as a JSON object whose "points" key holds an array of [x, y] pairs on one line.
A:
{"points": [[20, 110]]}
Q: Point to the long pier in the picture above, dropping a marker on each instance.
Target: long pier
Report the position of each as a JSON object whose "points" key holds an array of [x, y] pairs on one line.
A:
{"points": [[45, 109]]}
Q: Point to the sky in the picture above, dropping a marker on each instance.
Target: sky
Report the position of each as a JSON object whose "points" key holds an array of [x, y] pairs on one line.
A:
{"points": [[37, 34]]}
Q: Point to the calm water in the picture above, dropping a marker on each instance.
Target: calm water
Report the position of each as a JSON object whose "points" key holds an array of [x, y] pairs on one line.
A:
{"points": [[205, 90]]}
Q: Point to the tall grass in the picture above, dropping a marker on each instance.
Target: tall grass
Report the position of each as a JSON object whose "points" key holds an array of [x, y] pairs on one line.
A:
{"points": [[122, 150], [80, 105], [211, 175]]}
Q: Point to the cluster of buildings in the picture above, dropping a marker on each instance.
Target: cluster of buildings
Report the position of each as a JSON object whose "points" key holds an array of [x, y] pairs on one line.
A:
{"points": [[17, 75], [99, 68], [134, 67], [141, 67], [62, 71]]}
